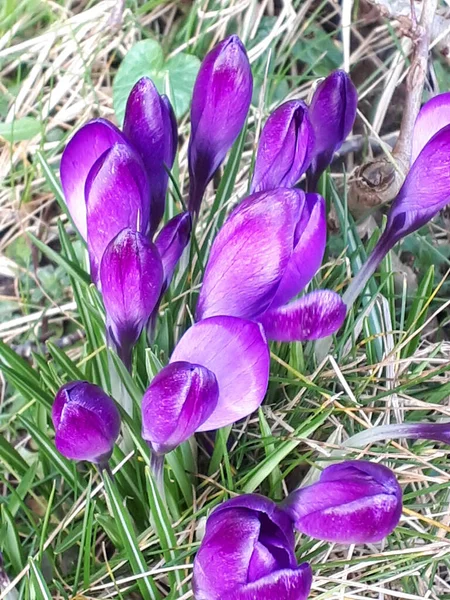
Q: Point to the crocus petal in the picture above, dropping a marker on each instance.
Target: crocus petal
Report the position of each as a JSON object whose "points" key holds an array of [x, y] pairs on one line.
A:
{"points": [[150, 126], [222, 561], [354, 502], [332, 114], [249, 255], [86, 420], [131, 276], [310, 242], [284, 149], [171, 242], [236, 352], [85, 147], [312, 317], [179, 399], [287, 584], [220, 103], [433, 116], [117, 196]]}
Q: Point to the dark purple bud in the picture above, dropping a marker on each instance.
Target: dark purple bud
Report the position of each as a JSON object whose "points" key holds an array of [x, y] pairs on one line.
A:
{"points": [[87, 422], [179, 399], [171, 242], [314, 316], [131, 276], [220, 103], [248, 553], [424, 193], [354, 502], [310, 239], [332, 114], [285, 148], [250, 255], [117, 195], [80, 154], [236, 351], [151, 126], [433, 116], [436, 432]]}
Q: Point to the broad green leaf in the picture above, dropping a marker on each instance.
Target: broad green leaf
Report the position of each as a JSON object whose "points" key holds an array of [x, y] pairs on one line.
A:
{"points": [[39, 589], [20, 130], [11, 458], [146, 59]]}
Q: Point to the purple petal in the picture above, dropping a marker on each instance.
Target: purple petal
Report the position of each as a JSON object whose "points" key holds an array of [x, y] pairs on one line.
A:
{"points": [[287, 584], [354, 502], [223, 558], [117, 196], [236, 352], [284, 149], [425, 191], [85, 147], [436, 432], [150, 125], [433, 116], [314, 316], [179, 399], [305, 261], [86, 420], [131, 276], [171, 242], [249, 255], [332, 114], [220, 103]]}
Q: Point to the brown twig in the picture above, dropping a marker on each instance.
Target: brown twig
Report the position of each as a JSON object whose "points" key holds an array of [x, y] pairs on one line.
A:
{"points": [[379, 180]]}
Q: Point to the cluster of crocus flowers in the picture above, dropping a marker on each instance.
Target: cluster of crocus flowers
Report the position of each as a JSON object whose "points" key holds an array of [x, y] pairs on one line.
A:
{"points": [[248, 550]]}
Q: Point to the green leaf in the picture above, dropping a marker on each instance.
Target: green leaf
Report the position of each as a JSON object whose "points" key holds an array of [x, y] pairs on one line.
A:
{"points": [[146, 59], [20, 130], [418, 312], [125, 528], [39, 589], [11, 458], [11, 542]]}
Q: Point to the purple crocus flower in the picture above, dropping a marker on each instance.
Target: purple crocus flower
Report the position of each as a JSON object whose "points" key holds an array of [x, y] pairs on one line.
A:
{"points": [[354, 502], [87, 422], [332, 113], [117, 194], [171, 243], [248, 553], [218, 374], [220, 103], [267, 251], [131, 275], [284, 149], [436, 432], [150, 131], [433, 116], [151, 126]]}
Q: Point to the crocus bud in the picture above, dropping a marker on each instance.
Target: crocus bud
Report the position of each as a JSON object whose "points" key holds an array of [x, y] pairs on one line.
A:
{"points": [[87, 422], [248, 553], [284, 149], [87, 145], [117, 193], [220, 103], [186, 395], [131, 276], [267, 251], [332, 113], [151, 126], [354, 502], [218, 374], [171, 242]]}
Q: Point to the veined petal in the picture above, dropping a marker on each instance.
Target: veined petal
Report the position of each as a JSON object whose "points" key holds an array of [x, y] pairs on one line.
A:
{"points": [[433, 116], [117, 195], [149, 124], [249, 255], [84, 148], [286, 584], [314, 316], [284, 149], [305, 261], [179, 399], [236, 352]]}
